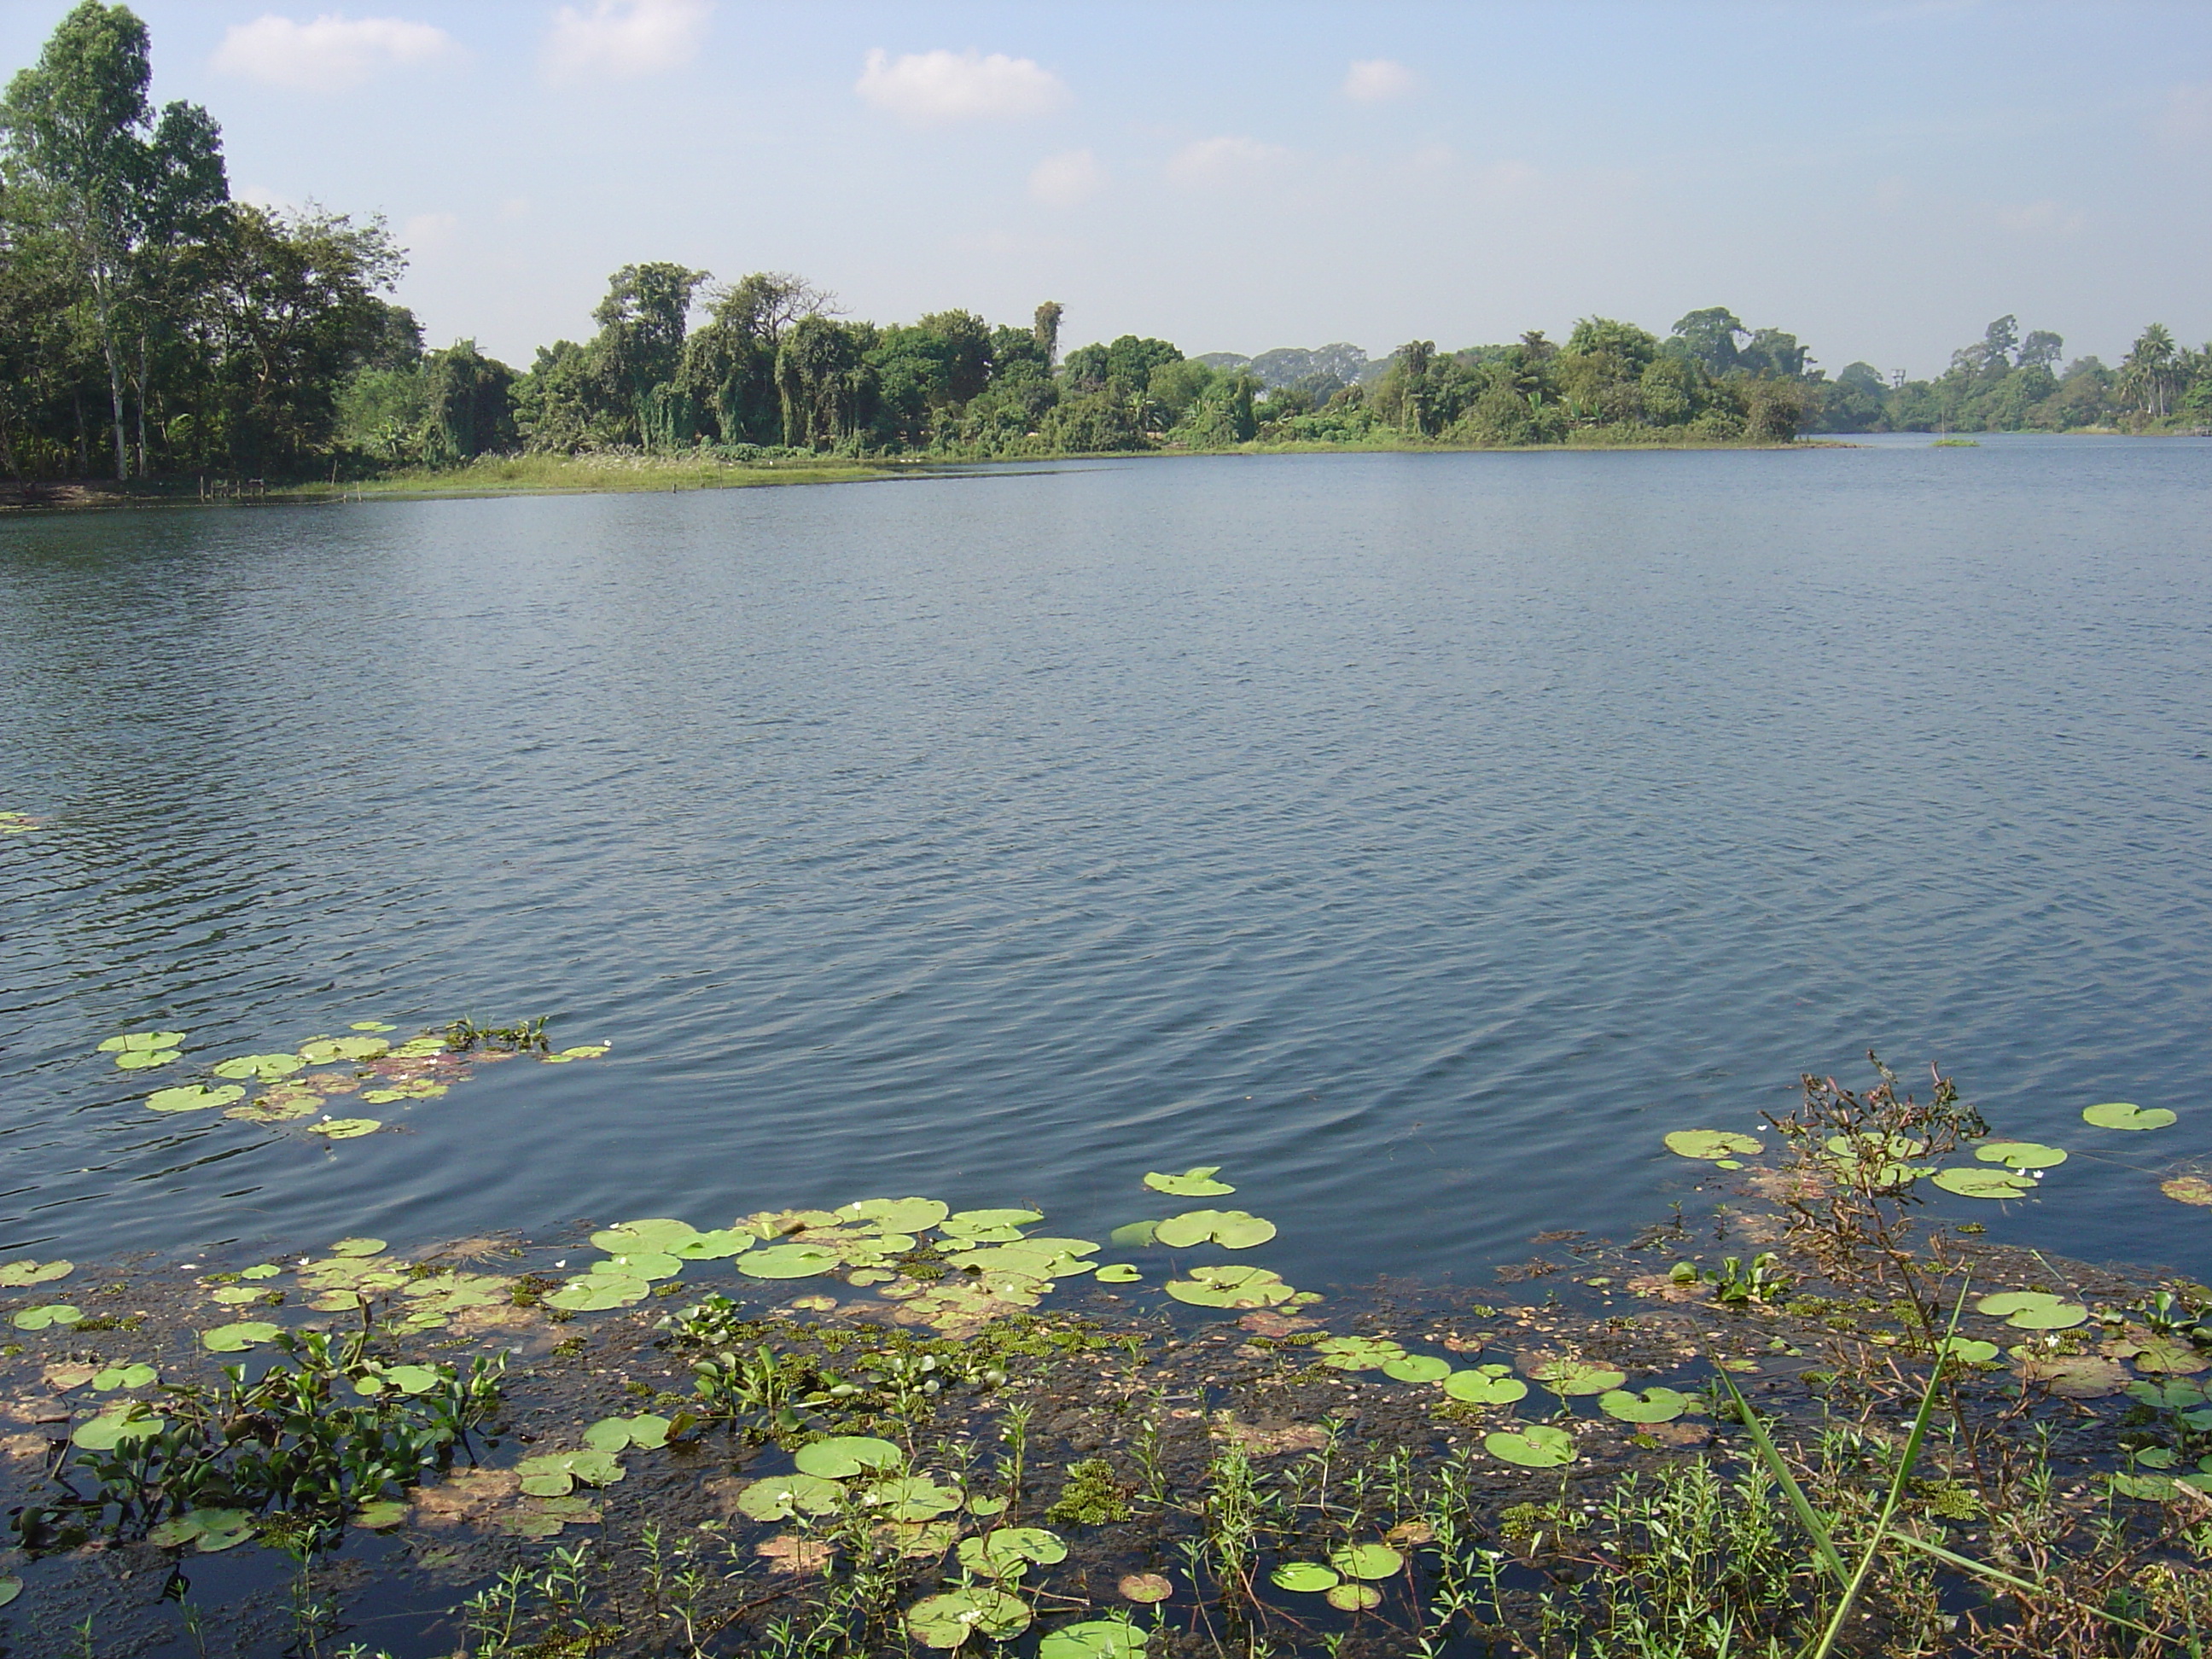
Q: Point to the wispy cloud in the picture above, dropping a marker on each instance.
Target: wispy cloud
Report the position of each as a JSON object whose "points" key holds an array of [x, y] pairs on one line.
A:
{"points": [[933, 87], [1379, 80], [1068, 178], [329, 53], [625, 39], [1212, 163]]}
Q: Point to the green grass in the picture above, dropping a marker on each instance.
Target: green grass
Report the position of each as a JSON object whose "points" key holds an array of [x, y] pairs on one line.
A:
{"points": [[550, 475]]}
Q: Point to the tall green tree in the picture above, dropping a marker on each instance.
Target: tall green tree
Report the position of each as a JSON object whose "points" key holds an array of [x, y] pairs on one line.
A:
{"points": [[122, 188]]}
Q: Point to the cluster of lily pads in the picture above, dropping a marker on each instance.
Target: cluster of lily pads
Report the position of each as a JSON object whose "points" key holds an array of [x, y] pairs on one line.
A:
{"points": [[1534, 1445], [2002, 1170], [952, 1270], [356, 1274], [298, 1083]]}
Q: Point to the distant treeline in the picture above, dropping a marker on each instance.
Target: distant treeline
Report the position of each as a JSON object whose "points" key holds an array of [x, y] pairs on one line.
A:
{"points": [[150, 326]]}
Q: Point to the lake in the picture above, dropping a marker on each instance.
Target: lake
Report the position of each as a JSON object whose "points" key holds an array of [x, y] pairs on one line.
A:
{"points": [[1419, 837]]}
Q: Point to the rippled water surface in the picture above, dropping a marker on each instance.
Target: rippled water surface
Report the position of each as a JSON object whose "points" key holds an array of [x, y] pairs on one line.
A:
{"points": [[1419, 837]]}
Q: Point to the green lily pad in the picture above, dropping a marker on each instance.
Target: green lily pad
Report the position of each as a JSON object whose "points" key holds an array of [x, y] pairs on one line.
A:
{"points": [[658, 1236], [2126, 1114], [1975, 1182], [1652, 1405], [1358, 1353], [844, 1455], [1482, 1387], [2020, 1154], [144, 1059], [1094, 1639], [1539, 1446], [896, 1215], [1354, 1598], [211, 1529], [1117, 1272], [1230, 1287], [124, 1376], [15, 1275], [237, 1339], [1233, 1230], [1418, 1368], [717, 1246], [910, 1498], [614, 1434], [383, 1513], [1191, 1183], [553, 1473], [2151, 1488], [372, 1025], [359, 1247], [266, 1068], [400, 1379], [1134, 1235], [47, 1314], [988, 1226], [329, 1051], [641, 1266], [1972, 1350], [596, 1293], [788, 1261], [780, 1497], [1009, 1552], [1712, 1144], [193, 1098], [1304, 1577], [2033, 1310], [946, 1621], [140, 1042], [346, 1128], [1366, 1561], [125, 1421], [1572, 1376]]}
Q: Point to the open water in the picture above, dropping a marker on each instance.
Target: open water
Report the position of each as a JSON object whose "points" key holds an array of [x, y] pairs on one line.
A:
{"points": [[1419, 837]]}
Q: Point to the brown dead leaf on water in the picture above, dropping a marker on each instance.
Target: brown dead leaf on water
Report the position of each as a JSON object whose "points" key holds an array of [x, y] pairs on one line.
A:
{"points": [[1666, 1290], [1270, 1440], [467, 1498], [1263, 1323], [36, 1408], [1678, 1434], [63, 1378], [474, 1321], [795, 1555], [26, 1445], [2076, 1376], [2188, 1189], [1409, 1533]]}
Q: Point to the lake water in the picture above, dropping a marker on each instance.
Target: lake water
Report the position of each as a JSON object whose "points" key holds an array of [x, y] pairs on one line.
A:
{"points": [[1419, 837]]}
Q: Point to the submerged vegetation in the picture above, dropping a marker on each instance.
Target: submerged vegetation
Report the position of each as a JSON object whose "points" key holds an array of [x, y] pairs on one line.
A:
{"points": [[153, 328], [1828, 1427]]}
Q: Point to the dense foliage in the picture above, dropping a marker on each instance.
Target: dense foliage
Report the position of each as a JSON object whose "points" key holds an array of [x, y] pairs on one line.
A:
{"points": [[151, 325]]}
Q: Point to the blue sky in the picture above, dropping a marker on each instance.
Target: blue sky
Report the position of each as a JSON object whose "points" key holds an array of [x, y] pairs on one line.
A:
{"points": [[1882, 179]]}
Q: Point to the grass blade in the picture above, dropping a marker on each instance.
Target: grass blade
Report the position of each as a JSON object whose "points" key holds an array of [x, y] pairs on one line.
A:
{"points": [[1807, 1516], [1967, 1563]]}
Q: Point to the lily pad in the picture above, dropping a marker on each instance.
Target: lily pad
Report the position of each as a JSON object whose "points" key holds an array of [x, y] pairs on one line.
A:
{"points": [[788, 1261], [1117, 1272], [2033, 1310], [1009, 1552], [658, 1236], [1713, 1144], [1367, 1561], [372, 1025], [346, 1128], [1133, 1235], [1305, 1577], [124, 1376], [400, 1379], [2072, 1376], [715, 1246], [596, 1293], [1418, 1368], [144, 1059], [1566, 1376], [1972, 1350], [1191, 1183], [843, 1455], [329, 1051], [193, 1098], [14, 1275], [614, 1434], [1094, 1639], [1539, 1446], [2126, 1114], [554, 1474], [1652, 1405], [268, 1068], [910, 1498], [359, 1247], [210, 1530], [2020, 1154], [139, 1042], [1230, 1287], [988, 1226], [1233, 1230], [1969, 1181], [640, 1266], [780, 1497], [946, 1621], [897, 1215], [377, 1515], [237, 1339], [125, 1421], [1482, 1387], [47, 1314]]}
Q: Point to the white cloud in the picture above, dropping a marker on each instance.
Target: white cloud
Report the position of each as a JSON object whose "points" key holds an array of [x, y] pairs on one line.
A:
{"points": [[429, 232], [1379, 80], [1064, 180], [964, 86], [1211, 163], [330, 53], [625, 37], [2188, 115]]}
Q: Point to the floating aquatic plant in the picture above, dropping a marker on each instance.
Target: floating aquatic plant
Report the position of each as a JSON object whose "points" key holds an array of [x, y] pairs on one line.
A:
{"points": [[1233, 1230], [842, 1455], [193, 1098], [2020, 1154], [551, 1475], [1539, 1446], [1486, 1385], [209, 1531], [1094, 1639], [16, 1275], [1191, 1183], [948, 1620], [780, 1497], [2033, 1310], [613, 1434], [1367, 1561], [46, 1314], [2126, 1114], [237, 1339], [1565, 1377], [1230, 1287], [268, 1068], [1713, 1144], [1304, 1577], [1655, 1404], [1972, 1182]]}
